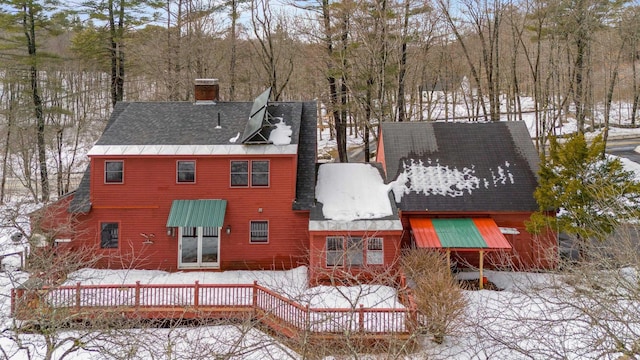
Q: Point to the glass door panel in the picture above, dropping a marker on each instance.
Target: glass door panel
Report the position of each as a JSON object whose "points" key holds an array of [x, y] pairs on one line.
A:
{"points": [[189, 246], [199, 247], [210, 242]]}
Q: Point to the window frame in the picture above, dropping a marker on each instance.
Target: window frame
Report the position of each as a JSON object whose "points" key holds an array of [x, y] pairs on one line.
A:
{"points": [[178, 172], [254, 173], [258, 238], [246, 174], [337, 252], [107, 171], [355, 251], [353, 248], [103, 227], [378, 252], [249, 178]]}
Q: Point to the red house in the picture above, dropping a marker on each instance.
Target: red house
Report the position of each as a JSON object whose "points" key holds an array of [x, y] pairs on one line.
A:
{"points": [[202, 185], [235, 185], [467, 188], [354, 227]]}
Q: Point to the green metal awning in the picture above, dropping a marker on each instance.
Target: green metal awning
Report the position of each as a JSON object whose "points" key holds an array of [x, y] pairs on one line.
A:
{"points": [[205, 213], [458, 233]]}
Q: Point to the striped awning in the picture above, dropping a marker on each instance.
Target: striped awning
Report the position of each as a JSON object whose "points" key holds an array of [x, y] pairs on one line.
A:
{"points": [[458, 234], [205, 213]]}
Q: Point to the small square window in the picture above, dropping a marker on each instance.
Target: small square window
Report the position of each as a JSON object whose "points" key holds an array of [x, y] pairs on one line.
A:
{"points": [[259, 231], [259, 173], [109, 235], [239, 173], [113, 172], [186, 171]]}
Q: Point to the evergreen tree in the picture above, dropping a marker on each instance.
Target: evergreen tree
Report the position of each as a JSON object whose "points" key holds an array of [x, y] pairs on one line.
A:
{"points": [[24, 22], [591, 193]]}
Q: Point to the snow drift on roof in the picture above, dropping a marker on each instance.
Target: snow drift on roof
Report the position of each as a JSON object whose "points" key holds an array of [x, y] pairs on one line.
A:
{"points": [[281, 135], [351, 192], [435, 179]]}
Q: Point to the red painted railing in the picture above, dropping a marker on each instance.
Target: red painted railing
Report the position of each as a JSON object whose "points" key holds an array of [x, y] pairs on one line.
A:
{"points": [[210, 296]]}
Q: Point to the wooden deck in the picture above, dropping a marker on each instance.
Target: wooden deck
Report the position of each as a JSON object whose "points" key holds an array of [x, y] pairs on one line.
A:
{"points": [[281, 315]]}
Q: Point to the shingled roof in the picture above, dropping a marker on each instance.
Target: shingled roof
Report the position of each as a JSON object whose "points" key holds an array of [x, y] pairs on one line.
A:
{"points": [[141, 124], [186, 123], [461, 167]]}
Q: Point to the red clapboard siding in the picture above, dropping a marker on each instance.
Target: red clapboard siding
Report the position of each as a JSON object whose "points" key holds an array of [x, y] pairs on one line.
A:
{"points": [[142, 203], [528, 251], [317, 258]]}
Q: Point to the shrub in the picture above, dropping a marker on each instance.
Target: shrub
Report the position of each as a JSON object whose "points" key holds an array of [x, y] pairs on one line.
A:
{"points": [[438, 297]]}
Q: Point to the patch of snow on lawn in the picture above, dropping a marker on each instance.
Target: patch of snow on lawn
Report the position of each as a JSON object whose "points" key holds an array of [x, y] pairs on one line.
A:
{"points": [[352, 191]]}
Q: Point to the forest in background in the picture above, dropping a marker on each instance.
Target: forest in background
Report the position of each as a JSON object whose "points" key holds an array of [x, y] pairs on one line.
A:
{"points": [[63, 66]]}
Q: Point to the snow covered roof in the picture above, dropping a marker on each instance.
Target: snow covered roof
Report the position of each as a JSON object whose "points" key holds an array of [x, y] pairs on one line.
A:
{"points": [[460, 167], [353, 196]]}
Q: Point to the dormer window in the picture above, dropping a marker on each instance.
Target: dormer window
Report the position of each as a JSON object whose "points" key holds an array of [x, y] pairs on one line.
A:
{"points": [[186, 171], [113, 172]]}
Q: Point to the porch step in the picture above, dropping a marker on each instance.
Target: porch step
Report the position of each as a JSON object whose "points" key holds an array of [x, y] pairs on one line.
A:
{"points": [[277, 325]]}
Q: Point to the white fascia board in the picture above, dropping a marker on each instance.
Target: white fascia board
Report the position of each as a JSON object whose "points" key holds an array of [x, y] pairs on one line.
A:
{"points": [[125, 150], [356, 225]]}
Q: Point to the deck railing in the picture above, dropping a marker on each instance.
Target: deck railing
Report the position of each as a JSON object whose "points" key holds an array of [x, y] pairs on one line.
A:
{"points": [[25, 303]]}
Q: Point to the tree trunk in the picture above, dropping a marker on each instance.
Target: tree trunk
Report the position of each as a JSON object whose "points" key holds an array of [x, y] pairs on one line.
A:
{"points": [[30, 34], [331, 80], [10, 91], [403, 63], [232, 60]]}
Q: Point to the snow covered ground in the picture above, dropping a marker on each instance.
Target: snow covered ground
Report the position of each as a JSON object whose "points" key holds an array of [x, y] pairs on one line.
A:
{"points": [[529, 319]]}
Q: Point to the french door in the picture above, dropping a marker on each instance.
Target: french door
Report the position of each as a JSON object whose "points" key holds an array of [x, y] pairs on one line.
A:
{"points": [[198, 247]]}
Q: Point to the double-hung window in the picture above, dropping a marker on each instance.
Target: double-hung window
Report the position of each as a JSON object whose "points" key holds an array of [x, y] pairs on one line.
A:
{"points": [[375, 254], [259, 232], [253, 173], [240, 173], [186, 171], [109, 235], [113, 172], [335, 250], [355, 251]]}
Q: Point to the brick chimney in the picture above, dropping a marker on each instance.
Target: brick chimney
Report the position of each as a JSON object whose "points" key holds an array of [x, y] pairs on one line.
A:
{"points": [[206, 90]]}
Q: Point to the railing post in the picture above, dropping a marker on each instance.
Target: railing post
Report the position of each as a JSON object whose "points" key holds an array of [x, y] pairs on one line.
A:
{"points": [[255, 295], [78, 297], [307, 320], [13, 302], [137, 304], [196, 294], [361, 319]]}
